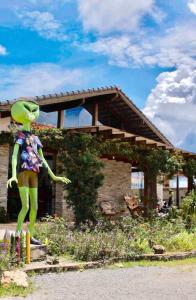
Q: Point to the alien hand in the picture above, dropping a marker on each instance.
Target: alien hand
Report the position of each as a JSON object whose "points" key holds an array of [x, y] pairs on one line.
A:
{"points": [[62, 179], [12, 179]]}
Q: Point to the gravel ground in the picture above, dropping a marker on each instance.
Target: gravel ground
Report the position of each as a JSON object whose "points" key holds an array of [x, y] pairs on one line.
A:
{"points": [[138, 283]]}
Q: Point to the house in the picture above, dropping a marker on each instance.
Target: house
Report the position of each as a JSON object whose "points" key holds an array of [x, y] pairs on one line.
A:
{"points": [[110, 113]]}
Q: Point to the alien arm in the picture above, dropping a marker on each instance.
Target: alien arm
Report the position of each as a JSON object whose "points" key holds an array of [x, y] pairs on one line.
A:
{"points": [[14, 165], [52, 175], [14, 159]]}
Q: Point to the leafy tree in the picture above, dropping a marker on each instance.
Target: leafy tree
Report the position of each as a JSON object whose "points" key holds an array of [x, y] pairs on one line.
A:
{"points": [[189, 170]]}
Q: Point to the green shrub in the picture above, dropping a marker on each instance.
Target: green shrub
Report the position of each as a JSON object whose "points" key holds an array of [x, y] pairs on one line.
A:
{"points": [[188, 208], [173, 213], [183, 241], [53, 232], [5, 262]]}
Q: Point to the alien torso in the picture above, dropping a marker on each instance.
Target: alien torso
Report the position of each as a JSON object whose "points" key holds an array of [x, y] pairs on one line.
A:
{"points": [[28, 151]]}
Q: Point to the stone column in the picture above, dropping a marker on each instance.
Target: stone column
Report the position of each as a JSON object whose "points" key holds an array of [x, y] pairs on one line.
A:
{"points": [[116, 184], [4, 165]]}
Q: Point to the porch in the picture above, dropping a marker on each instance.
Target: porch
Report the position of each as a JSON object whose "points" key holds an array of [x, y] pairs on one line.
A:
{"points": [[113, 116]]}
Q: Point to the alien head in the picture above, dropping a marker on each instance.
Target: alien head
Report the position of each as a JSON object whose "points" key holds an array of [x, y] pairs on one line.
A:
{"points": [[25, 110]]}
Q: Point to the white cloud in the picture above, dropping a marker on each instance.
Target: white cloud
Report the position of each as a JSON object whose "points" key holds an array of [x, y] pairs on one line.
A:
{"points": [[172, 106], [192, 6], [172, 103], [3, 50], [44, 23], [38, 79], [116, 15], [177, 46]]}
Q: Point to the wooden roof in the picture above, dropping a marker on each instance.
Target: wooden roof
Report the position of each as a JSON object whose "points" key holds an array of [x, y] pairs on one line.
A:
{"points": [[108, 132], [115, 110]]}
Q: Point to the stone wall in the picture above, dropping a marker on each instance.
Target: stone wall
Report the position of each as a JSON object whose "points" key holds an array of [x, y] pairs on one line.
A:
{"points": [[4, 123], [117, 183], [4, 164], [60, 206]]}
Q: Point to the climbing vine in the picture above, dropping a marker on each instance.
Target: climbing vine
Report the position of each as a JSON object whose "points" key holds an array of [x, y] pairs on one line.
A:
{"points": [[152, 161], [83, 167], [189, 167], [155, 161], [80, 154]]}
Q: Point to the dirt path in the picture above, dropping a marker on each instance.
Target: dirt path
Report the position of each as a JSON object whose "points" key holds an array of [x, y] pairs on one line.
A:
{"points": [[138, 283]]}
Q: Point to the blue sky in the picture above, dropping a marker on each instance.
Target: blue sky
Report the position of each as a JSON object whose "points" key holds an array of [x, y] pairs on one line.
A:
{"points": [[146, 47]]}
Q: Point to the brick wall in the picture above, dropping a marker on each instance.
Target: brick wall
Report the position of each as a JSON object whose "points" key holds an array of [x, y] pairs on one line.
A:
{"points": [[4, 163], [117, 183]]}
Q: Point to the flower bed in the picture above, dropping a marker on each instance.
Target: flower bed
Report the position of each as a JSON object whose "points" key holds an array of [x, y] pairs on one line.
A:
{"points": [[126, 237]]}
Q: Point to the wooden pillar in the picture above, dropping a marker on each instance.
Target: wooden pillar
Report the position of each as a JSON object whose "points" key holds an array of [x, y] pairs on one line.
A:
{"points": [[95, 114], [61, 119], [150, 193], [190, 183], [177, 191]]}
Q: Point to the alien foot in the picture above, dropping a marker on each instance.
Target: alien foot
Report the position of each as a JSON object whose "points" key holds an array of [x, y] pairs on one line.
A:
{"points": [[35, 242]]}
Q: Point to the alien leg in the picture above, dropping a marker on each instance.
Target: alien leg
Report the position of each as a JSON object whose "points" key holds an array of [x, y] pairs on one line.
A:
{"points": [[24, 196], [33, 211]]}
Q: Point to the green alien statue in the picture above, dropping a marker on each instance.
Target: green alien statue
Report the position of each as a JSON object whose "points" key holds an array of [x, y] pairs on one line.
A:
{"points": [[25, 173]]}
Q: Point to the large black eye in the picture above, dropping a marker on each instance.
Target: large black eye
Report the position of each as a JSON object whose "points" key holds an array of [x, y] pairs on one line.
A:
{"points": [[35, 109], [27, 107]]}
